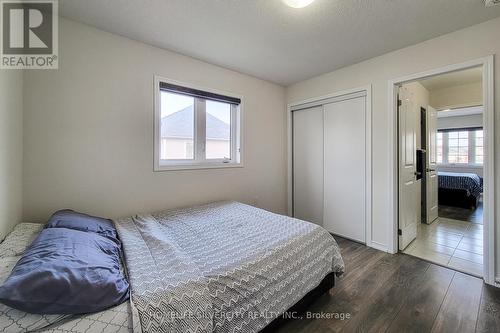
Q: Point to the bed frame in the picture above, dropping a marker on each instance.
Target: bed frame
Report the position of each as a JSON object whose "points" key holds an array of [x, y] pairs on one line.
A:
{"points": [[303, 304], [457, 198]]}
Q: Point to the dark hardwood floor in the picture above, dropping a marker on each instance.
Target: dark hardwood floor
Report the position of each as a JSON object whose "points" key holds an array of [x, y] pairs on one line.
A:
{"points": [[399, 293]]}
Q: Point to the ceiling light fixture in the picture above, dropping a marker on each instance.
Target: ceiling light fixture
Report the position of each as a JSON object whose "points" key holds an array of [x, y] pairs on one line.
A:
{"points": [[298, 3], [490, 3]]}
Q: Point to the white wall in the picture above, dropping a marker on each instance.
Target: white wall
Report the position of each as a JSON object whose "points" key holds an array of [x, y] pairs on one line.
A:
{"points": [[461, 96], [89, 132], [473, 120], [11, 149], [471, 43]]}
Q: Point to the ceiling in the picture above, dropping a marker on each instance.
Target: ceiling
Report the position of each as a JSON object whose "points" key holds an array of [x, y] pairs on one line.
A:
{"points": [[269, 40], [473, 75]]}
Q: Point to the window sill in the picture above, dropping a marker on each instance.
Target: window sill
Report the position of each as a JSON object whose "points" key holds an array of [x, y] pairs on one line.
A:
{"points": [[179, 167]]}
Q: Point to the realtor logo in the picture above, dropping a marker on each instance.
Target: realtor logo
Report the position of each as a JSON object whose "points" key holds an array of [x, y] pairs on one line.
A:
{"points": [[29, 36]]}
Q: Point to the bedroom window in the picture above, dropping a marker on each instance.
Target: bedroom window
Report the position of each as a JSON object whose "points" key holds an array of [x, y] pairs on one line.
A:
{"points": [[479, 147], [439, 147], [460, 146], [195, 129]]}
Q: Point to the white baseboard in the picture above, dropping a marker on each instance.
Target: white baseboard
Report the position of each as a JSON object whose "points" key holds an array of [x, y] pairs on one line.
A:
{"points": [[378, 246]]}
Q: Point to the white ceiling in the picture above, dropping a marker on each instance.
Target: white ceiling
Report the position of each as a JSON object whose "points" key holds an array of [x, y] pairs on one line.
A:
{"points": [[269, 40], [473, 75]]}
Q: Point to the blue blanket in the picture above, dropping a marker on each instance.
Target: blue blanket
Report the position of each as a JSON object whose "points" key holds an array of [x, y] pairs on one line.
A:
{"points": [[469, 182]]}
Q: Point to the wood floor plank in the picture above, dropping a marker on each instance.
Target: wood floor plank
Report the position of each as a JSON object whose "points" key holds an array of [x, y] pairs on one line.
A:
{"points": [[459, 310], [381, 309], [358, 266], [351, 250], [351, 269], [350, 300], [424, 301], [489, 311], [395, 293]]}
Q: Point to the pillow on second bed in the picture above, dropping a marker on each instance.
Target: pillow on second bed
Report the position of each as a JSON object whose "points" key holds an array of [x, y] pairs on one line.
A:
{"points": [[70, 219], [67, 271]]}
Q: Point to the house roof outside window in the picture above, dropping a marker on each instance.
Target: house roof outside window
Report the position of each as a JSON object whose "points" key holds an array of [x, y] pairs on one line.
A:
{"points": [[180, 125]]}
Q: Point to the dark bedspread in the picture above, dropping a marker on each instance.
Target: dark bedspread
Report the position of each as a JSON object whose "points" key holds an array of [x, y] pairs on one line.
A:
{"points": [[469, 182]]}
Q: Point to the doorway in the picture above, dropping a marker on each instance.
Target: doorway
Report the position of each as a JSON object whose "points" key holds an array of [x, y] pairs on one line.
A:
{"points": [[443, 167]]}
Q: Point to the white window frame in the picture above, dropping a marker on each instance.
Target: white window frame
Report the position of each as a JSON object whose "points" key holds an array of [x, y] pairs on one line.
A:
{"points": [[471, 148], [199, 161]]}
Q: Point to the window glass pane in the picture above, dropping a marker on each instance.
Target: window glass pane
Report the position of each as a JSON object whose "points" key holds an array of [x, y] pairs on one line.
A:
{"points": [[177, 127], [479, 154], [463, 151], [458, 147], [439, 147], [463, 142], [479, 151], [452, 158], [218, 129]]}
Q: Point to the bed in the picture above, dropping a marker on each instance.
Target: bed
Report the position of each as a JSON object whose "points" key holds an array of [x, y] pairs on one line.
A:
{"points": [[221, 267], [459, 189]]}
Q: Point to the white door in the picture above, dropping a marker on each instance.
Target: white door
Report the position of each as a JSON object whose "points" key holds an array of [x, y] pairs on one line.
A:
{"points": [[308, 164], [345, 162], [431, 167], [408, 186]]}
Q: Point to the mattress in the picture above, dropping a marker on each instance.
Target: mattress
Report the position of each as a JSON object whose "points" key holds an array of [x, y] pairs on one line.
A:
{"points": [[222, 267]]}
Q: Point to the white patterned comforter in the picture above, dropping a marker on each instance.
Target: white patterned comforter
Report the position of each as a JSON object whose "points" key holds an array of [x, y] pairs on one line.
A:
{"points": [[222, 267]]}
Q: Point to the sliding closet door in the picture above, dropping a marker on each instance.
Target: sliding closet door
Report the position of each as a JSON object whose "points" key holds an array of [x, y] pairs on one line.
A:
{"points": [[345, 176], [308, 164]]}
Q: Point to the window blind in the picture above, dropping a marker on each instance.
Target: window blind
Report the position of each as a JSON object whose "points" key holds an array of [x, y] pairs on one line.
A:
{"points": [[164, 86]]}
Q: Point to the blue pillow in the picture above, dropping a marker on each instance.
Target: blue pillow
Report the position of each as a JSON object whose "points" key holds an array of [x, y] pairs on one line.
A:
{"points": [[78, 221], [66, 271]]}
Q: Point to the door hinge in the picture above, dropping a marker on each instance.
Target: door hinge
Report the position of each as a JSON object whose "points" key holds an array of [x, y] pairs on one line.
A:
{"points": [[400, 232], [400, 102]]}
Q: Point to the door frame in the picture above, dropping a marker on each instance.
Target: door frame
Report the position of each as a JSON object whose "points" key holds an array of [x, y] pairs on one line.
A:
{"points": [[427, 162], [368, 167], [488, 165]]}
